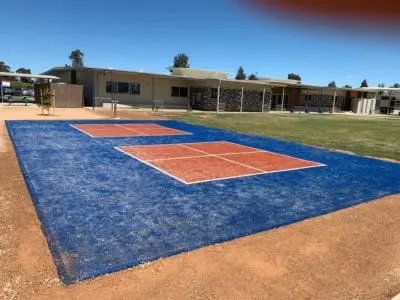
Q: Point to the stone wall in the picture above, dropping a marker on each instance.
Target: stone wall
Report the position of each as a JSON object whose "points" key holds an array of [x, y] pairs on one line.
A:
{"points": [[252, 100], [321, 101]]}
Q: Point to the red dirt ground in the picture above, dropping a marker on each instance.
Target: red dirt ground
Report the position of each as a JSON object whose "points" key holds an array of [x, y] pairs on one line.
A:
{"points": [[350, 254]]}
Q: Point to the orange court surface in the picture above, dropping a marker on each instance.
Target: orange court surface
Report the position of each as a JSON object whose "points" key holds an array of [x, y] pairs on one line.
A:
{"points": [[208, 161]]}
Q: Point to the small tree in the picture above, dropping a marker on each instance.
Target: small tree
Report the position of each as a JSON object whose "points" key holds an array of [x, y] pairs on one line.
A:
{"points": [[396, 86], [294, 76], [252, 77], [348, 86], [45, 102], [181, 60], [76, 58], [381, 85], [364, 83], [240, 75], [332, 84]]}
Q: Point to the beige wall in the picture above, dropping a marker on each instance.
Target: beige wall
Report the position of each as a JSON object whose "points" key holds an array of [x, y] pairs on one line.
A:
{"points": [[161, 90], [158, 88]]}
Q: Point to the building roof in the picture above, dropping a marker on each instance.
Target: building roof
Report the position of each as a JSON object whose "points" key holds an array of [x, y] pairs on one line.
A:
{"points": [[261, 82], [10, 74], [196, 73]]}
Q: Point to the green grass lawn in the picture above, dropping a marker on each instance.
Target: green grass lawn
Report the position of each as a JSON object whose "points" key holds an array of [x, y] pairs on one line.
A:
{"points": [[378, 137]]}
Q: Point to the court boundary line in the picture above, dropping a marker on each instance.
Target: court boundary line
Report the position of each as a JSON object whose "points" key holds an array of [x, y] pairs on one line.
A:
{"points": [[151, 165], [73, 126], [130, 136], [256, 174], [259, 171]]}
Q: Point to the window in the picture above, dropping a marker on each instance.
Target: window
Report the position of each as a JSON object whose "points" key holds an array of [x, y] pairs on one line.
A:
{"points": [[214, 93], [117, 87], [179, 91], [183, 92], [123, 87], [174, 91], [111, 87], [135, 88]]}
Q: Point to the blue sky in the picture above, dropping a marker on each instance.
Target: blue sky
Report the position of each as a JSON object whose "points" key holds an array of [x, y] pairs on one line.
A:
{"points": [[216, 34]]}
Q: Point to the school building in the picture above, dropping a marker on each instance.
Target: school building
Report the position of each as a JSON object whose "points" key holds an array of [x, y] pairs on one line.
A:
{"points": [[212, 91]]}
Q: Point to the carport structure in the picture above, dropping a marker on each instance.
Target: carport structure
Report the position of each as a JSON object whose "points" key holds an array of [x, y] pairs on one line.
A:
{"points": [[47, 78]]}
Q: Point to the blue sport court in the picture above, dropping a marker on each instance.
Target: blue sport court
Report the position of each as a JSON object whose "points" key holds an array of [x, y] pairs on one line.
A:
{"points": [[115, 194]]}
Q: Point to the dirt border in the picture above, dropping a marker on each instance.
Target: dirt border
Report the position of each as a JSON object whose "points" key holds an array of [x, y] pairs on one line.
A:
{"points": [[349, 254]]}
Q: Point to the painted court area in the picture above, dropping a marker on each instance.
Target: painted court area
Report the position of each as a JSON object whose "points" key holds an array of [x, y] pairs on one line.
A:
{"points": [[109, 203], [208, 161], [125, 130]]}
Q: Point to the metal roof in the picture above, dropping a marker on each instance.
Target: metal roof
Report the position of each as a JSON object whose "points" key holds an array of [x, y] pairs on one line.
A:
{"points": [[264, 82], [10, 74]]}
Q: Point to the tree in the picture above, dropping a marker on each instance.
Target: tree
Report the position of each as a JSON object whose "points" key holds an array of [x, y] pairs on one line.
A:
{"points": [[294, 76], [381, 85], [348, 86], [181, 60], [396, 86], [240, 75], [25, 71], [252, 77], [364, 83], [332, 84], [4, 67], [76, 58]]}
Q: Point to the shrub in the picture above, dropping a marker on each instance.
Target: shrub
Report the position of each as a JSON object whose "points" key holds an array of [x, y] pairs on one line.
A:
{"points": [[45, 103]]}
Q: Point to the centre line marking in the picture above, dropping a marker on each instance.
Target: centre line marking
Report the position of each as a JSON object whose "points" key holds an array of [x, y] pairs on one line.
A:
{"points": [[130, 129], [238, 163], [205, 155]]}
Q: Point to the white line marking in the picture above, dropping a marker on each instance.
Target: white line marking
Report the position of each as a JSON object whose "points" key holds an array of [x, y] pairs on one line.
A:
{"points": [[151, 165], [238, 163], [205, 155], [253, 174], [141, 134], [257, 149], [174, 158], [81, 130], [259, 171], [150, 134], [133, 130]]}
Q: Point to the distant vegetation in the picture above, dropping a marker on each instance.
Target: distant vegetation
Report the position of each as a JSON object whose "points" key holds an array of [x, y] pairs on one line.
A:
{"points": [[252, 77], [364, 83], [240, 75], [332, 84], [181, 60], [294, 76], [76, 58]]}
